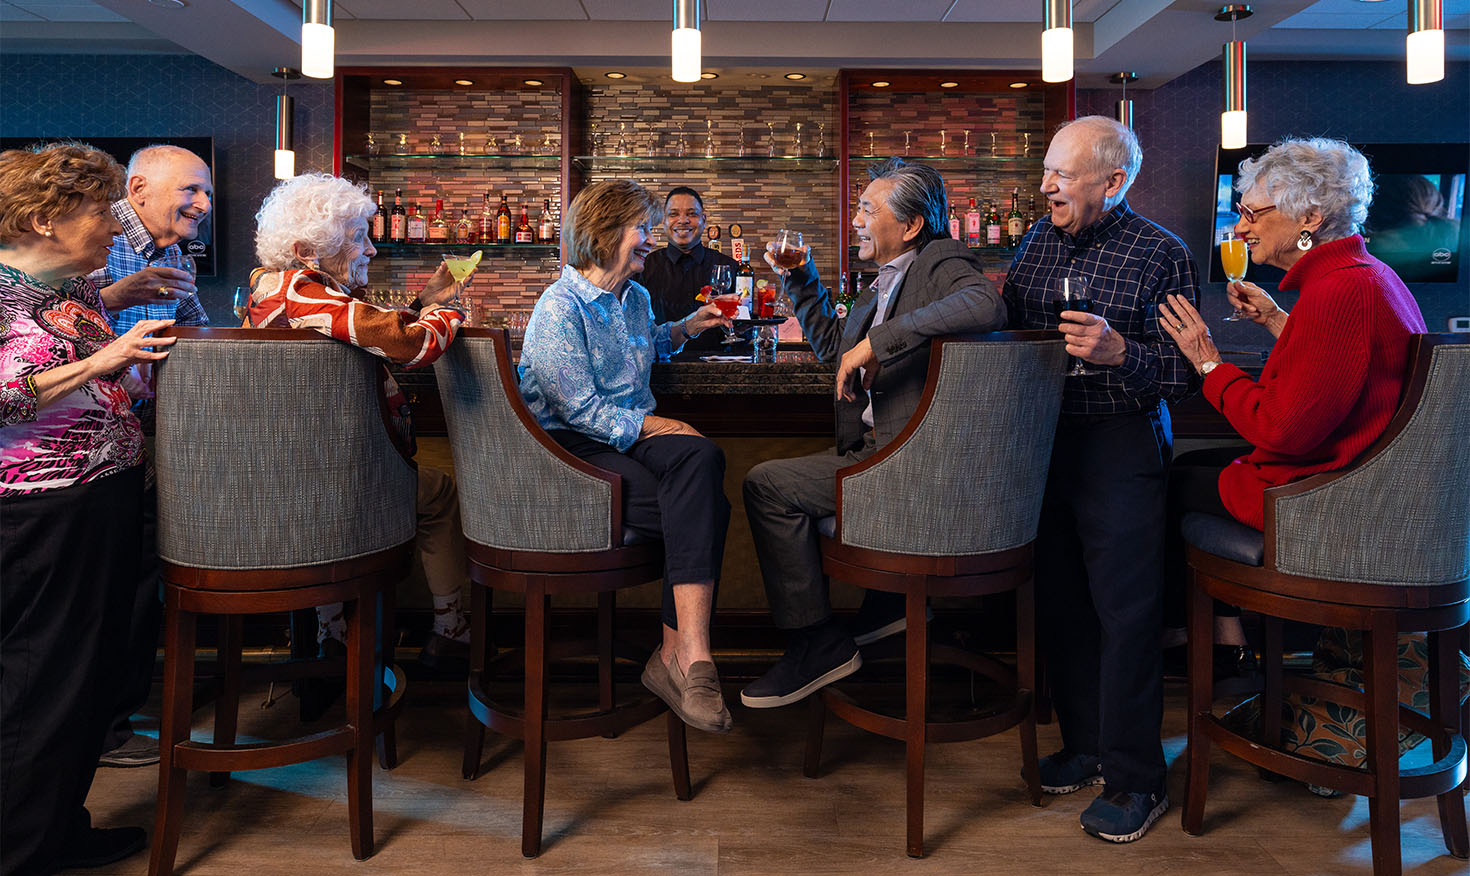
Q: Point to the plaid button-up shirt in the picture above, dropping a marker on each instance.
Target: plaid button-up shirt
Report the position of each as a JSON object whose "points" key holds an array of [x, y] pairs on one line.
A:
{"points": [[1130, 265], [131, 252]]}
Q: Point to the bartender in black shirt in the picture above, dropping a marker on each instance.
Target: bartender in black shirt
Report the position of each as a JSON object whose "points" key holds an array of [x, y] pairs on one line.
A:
{"points": [[676, 273]]}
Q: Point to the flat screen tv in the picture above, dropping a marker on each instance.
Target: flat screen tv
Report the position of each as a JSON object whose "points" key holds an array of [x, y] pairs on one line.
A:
{"points": [[1415, 224], [203, 248]]}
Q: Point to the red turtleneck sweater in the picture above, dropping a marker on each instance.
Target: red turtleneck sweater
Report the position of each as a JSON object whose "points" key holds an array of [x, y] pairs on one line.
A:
{"points": [[1333, 380]]}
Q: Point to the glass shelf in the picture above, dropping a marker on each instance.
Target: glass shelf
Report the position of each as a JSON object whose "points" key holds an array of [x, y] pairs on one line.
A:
{"points": [[977, 162], [453, 160], [492, 250], [725, 163]]}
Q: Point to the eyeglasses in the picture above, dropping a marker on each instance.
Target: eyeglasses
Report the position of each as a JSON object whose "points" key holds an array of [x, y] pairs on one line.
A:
{"points": [[1253, 215]]}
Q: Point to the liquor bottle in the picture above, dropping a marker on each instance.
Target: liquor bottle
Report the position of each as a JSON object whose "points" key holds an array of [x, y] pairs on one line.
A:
{"points": [[1015, 225], [418, 229], [546, 231], [954, 224], [502, 222], [974, 233], [464, 229], [843, 304], [524, 232], [994, 228], [380, 221], [1032, 216], [487, 222], [737, 242], [398, 222], [745, 283], [438, 228], [714, 238]]}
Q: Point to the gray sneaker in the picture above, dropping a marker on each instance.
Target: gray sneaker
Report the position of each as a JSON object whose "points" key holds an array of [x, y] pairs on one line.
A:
{"points": [[137, 751]]}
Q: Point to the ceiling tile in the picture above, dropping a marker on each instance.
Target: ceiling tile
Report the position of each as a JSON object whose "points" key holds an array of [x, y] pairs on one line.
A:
{"points": [[886, 10], [15, 13], [630, 10], [765, 10], [419, 10], [1332, 21], [67, 10], [524, 10], [1002, 10]]}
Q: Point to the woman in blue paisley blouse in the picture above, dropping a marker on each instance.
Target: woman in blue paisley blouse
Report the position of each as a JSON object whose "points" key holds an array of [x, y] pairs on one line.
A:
{"points": [[585, 364], [71, 503]]}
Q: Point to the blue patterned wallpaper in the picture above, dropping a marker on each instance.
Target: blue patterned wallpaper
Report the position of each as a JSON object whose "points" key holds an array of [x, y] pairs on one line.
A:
{"points": [[174, 95], [1178, 126]]}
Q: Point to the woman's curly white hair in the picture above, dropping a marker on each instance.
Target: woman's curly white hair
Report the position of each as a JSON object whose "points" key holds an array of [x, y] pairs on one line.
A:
{"points": [[1299, 176], [315, 209]]}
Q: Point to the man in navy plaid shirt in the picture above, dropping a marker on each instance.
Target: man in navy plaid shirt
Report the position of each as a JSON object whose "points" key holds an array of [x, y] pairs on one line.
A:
{"points": [[147, 276], [1100, 548]]}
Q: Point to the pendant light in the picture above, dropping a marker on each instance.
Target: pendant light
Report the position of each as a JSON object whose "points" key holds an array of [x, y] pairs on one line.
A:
{"points": [[1125, 106], [285, 125], [318, 40], [1232, 120], [686, 54], [1056, 40], [1424, 47]]}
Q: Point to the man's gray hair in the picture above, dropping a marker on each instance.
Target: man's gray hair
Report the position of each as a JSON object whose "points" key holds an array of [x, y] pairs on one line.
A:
{"points": [[1114, 147], [918, 190], [148, 159], [1300, 175]]}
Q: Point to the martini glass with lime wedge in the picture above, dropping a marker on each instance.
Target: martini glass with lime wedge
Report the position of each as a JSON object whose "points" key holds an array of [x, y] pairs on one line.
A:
{"points": [[460, 268]]}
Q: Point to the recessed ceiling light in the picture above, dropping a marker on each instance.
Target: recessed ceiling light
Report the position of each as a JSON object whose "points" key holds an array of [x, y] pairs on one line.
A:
{"points": [[882, 83], [464, 82], [1019, 84], [392, 81], [615, 75], [795, 76], [533, 82], [949, 85], [708, 75]]}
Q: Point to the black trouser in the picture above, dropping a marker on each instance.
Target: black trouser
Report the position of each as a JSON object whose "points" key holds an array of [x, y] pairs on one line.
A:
{"points": [[1194, 485], [69, 567], [674, 489], [1099, 578], [142, 647]]}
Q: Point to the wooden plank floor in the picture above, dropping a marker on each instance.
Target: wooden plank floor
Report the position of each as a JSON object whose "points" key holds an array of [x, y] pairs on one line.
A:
{"points": [[611, 809]]}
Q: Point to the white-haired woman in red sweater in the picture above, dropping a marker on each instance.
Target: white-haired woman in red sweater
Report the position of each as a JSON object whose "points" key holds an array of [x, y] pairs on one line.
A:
{"points": [[1334, 376]]}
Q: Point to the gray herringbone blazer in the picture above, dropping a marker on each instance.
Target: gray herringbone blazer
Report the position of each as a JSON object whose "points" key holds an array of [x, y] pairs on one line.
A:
{"points": [[942, 293]]}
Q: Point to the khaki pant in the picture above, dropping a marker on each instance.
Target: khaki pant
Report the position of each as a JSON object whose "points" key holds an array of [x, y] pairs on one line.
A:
{"points": [[440, 539]]}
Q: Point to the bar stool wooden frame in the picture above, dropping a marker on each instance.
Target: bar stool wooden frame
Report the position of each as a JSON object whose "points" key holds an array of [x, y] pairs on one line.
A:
{"points": [[188, 592], [1381, 612]]}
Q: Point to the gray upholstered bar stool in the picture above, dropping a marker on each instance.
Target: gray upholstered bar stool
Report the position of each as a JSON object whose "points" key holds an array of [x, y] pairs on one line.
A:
{"points": [[950, 508], [280, 487], [540, 522], [1382, 547]]}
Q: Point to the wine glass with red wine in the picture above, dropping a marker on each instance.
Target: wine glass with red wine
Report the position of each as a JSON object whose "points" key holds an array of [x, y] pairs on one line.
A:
{"points": [[1072, 293]]}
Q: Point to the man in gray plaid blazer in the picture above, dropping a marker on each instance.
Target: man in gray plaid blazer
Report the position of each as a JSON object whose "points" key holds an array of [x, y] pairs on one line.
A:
{"points": [[929, 285]]}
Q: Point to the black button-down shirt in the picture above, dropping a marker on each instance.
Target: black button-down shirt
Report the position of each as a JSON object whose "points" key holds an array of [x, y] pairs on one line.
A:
{"points": [[1130, 265], [673, 277]]}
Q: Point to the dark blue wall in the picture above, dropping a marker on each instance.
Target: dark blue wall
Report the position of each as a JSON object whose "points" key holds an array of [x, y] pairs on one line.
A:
{"points": [[1365, 102], [174, 95]]}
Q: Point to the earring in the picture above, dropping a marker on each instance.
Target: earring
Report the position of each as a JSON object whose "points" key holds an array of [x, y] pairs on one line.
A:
{"points": [[1304, 240]]}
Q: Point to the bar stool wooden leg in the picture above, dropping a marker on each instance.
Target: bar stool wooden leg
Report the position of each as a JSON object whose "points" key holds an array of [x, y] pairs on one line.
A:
{"points": [[362, 623], [1026, 680], [1381, 683], [916, 713], [304, 647], [816, 727], [1201, 693], [387, 641], [480, 657], [227, 705], [606, 602], [178, 700], [1444, 711], [679, 757], [537, 606]]}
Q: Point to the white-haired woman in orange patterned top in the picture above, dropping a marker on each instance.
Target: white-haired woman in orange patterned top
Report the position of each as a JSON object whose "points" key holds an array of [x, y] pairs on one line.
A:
{"points": [[312, 241]]}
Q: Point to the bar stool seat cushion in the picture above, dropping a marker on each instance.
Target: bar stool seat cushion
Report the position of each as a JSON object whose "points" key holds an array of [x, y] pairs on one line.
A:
{"points": [[1224, 537]]}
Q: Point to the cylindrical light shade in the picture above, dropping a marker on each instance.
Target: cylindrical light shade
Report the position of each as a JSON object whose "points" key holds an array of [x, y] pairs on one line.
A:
{"points": [[285, 136], [1125, 112], [318, 41], [687, 53], [1056, 40], [1232, 120], [1424, 48]]}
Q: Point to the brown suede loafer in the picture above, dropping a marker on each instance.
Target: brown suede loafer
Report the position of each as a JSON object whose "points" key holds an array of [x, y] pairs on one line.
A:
{"points": [[696, 699]]}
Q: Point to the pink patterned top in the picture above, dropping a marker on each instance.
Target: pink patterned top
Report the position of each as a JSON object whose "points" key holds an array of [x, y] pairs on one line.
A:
{"points": [[86, 435]]}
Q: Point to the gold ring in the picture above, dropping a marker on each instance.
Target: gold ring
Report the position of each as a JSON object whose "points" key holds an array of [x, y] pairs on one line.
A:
{"points": [[162, 291], [1180, 326]]}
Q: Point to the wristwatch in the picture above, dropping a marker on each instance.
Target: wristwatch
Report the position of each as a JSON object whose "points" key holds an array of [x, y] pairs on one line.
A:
{"points": [[1205, 369]]}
